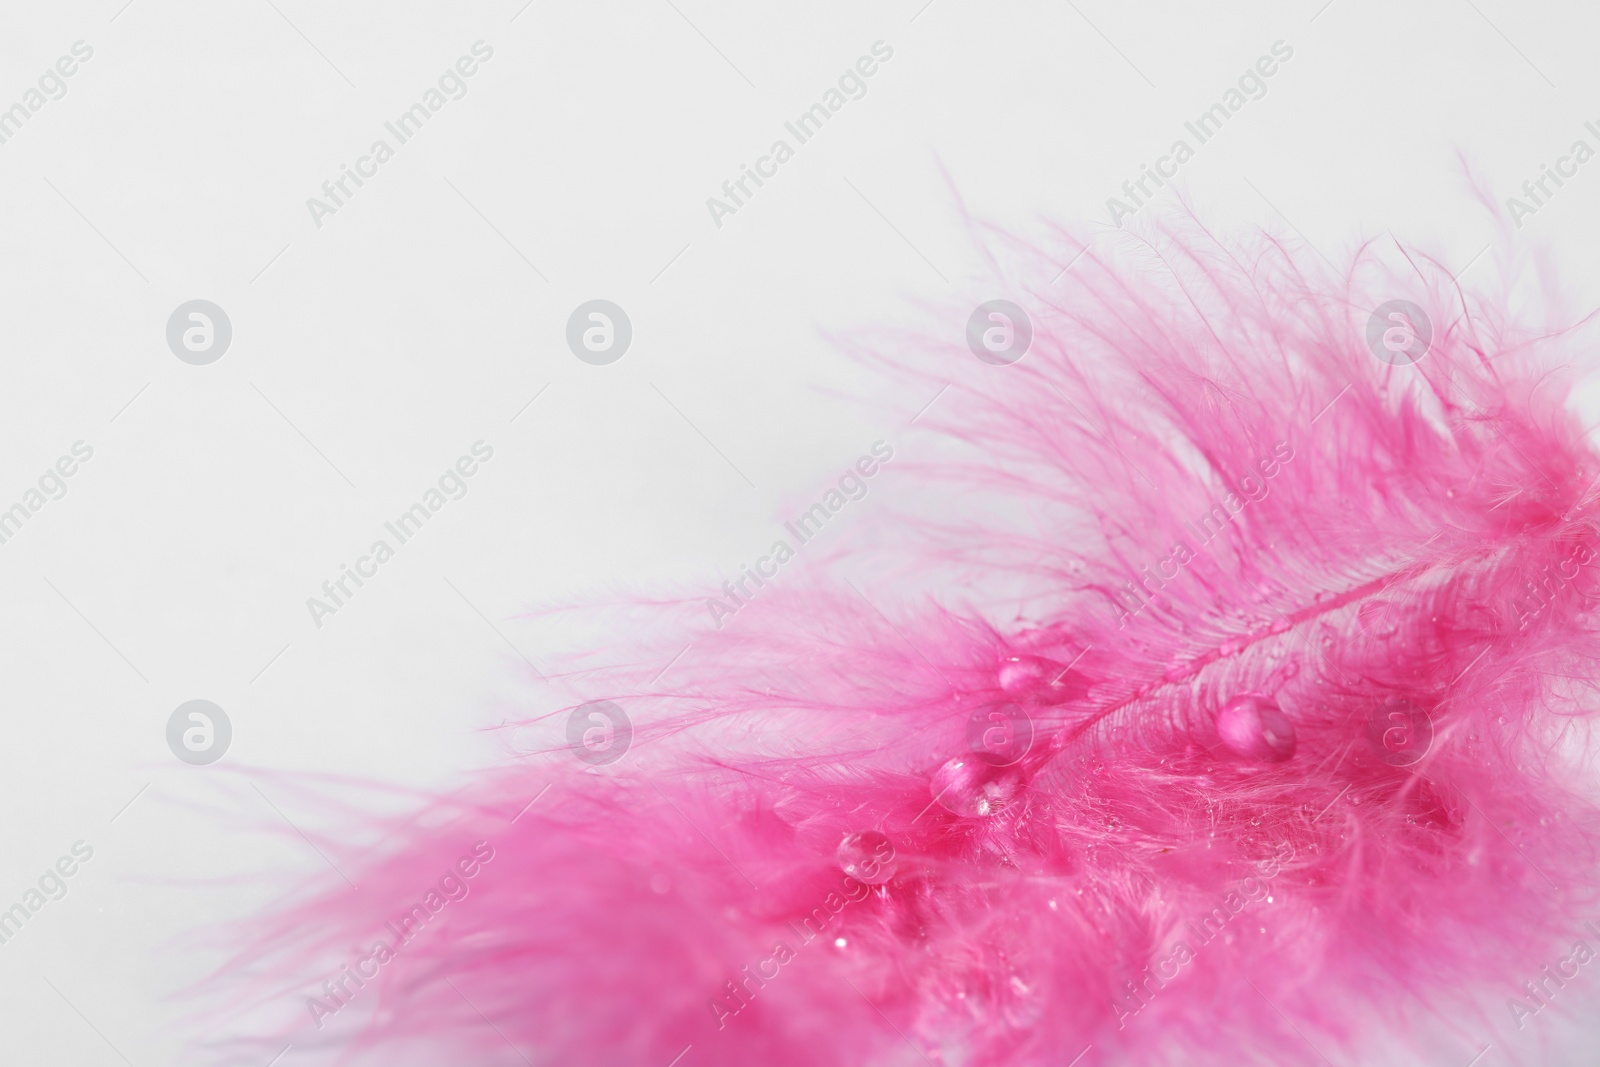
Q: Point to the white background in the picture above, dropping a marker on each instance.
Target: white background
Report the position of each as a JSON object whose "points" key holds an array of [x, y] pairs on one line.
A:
{"points": [[369, 353]]}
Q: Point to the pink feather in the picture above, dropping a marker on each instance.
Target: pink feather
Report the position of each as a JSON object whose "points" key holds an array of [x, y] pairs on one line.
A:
{"points": [[1225, 697]]}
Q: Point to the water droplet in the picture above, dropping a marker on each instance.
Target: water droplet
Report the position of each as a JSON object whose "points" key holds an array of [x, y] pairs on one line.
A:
{"points": [[839, 942], [1041, 681], [1400, 732], [973, 785], [1253, 727], [867, 856]]}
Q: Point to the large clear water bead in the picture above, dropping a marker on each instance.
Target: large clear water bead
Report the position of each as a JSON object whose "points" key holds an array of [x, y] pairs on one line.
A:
{"points": [[975, 786], [1036, 680], [867, 856], [1251, 726]]}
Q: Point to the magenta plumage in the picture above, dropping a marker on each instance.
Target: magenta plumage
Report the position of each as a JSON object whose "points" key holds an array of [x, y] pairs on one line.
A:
{"points": [[1219, 690]]}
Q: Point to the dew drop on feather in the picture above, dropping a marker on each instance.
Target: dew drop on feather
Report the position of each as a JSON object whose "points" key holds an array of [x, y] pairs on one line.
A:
{"points": [[867, 856], [974, 786], [1251, 726]]}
